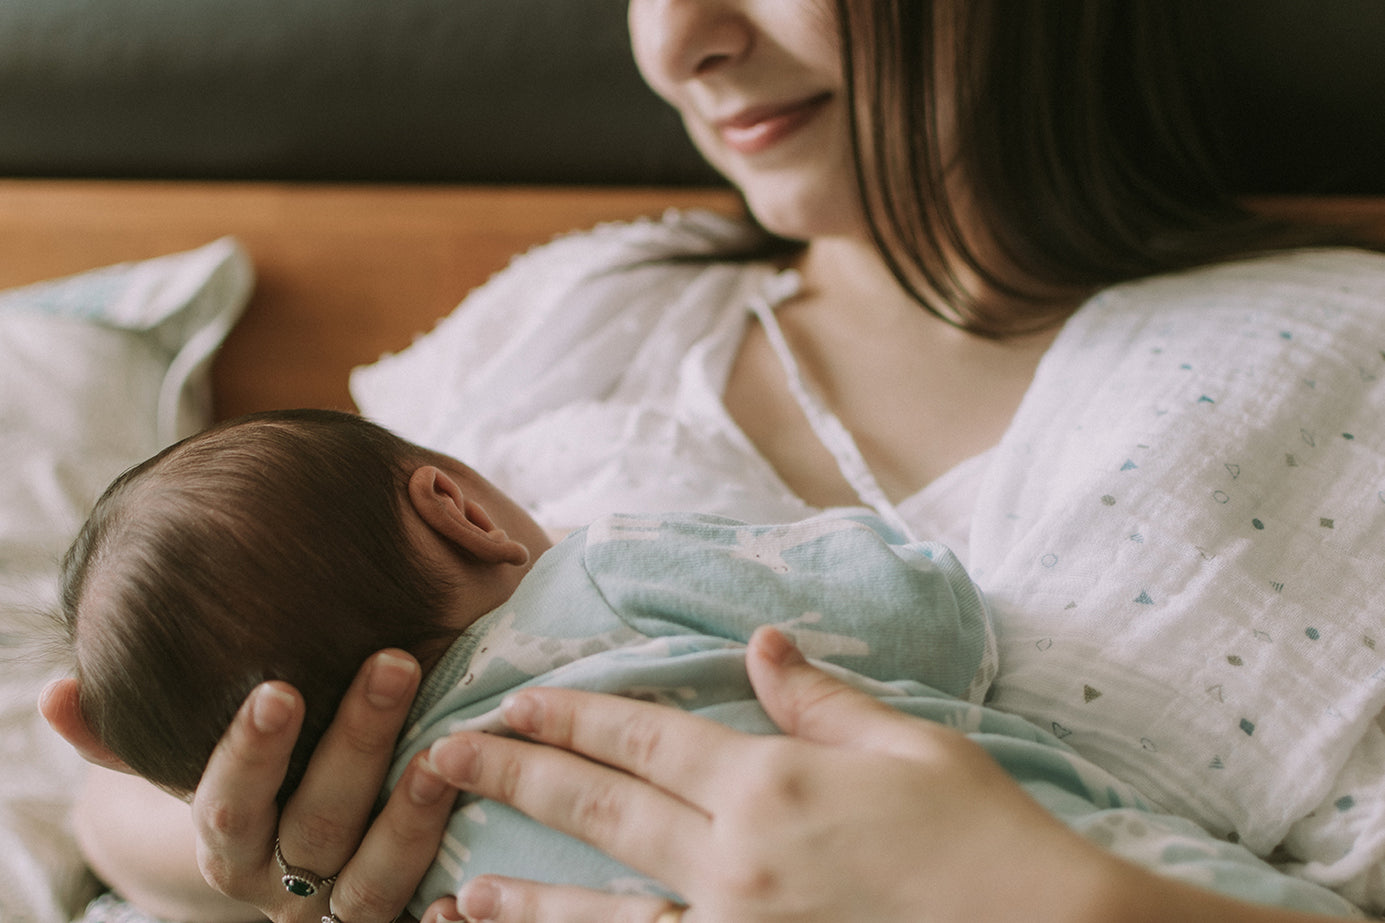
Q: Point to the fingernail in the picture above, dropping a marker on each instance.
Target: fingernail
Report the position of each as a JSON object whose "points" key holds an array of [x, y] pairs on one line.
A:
{"points": [[778, 649], [390, 679], [479, 901], [427, 786], [455, 760], [271, 709], [522, 713]]}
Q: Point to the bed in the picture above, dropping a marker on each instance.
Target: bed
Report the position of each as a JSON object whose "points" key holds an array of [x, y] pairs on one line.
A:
{"points": [[276, 222]]}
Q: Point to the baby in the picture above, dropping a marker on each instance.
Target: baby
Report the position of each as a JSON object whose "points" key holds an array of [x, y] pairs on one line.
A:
{"points": [[291, 545]]}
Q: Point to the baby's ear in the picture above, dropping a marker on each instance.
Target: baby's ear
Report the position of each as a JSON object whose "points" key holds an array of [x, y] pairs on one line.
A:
{"points": [[447, 509], [58, 703]]}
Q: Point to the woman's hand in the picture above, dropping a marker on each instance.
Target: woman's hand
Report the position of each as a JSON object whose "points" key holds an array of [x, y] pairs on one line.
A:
{"points": [[860, 813], [326, 828]]}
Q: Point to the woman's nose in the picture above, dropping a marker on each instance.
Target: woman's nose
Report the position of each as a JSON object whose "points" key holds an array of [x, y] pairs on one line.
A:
{"points": [[678, 40]]}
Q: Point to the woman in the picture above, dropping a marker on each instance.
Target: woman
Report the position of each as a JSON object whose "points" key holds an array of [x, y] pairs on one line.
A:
{"points": [[965, 175]]}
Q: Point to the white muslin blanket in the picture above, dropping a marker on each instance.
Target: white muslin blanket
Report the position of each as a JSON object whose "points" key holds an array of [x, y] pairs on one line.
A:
{"points": [[1182, 536]]}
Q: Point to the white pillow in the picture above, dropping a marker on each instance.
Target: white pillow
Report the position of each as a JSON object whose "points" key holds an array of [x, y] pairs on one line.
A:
{"points": [[97, 372]]}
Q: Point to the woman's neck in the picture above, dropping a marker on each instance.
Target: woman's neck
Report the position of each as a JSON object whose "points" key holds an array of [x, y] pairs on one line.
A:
{"points": [[918, 394], [848, 270]]}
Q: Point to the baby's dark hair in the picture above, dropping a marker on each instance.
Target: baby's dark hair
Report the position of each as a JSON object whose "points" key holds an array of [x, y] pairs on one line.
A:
{"points": [[271, 547]]}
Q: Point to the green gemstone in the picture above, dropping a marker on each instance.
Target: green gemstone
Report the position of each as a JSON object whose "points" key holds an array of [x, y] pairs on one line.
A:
{"points": [[299, 886]]}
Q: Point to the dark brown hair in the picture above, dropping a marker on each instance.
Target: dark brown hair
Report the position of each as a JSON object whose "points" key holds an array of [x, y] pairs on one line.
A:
{"points": [[269, 547], [1082, 135]]}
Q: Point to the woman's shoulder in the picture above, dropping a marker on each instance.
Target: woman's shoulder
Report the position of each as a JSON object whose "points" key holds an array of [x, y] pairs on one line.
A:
{"points": [[617, 258], [1328, 271], [1327, 303], [1308, 284], [584, 302]]}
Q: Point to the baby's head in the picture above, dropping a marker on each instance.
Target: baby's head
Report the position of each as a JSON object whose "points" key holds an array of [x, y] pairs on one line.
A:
{"points": [[279, 546]]}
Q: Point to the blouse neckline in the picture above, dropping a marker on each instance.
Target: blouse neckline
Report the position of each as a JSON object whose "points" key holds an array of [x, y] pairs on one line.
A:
{"points": [[772, 288]]}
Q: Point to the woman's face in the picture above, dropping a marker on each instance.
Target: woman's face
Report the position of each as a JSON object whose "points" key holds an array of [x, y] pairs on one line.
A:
{"points": [[759, 86]]}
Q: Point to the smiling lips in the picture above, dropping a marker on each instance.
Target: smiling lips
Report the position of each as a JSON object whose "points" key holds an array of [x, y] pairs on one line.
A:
{"points": [[761, 127]]}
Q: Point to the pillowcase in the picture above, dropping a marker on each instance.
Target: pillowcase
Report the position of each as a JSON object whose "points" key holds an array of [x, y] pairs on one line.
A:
{"points": [[97, 372]]}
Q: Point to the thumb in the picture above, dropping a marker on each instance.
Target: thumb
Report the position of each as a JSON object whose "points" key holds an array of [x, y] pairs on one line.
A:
{"points": [[808, 703], [442, 910]]}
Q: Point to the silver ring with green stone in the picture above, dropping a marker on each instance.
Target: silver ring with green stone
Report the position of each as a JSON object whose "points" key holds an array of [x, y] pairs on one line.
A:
{"points": [[298, 881]]}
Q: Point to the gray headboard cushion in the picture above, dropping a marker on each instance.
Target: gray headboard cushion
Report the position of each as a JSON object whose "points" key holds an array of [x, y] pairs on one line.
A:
{"points": [[532, 91]]}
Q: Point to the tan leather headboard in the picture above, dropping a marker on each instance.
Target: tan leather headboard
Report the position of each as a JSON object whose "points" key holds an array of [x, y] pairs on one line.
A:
{"points": [[344, 273]]}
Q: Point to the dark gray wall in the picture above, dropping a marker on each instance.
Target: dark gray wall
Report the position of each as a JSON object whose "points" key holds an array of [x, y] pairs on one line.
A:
{"points": [[531, 91]]}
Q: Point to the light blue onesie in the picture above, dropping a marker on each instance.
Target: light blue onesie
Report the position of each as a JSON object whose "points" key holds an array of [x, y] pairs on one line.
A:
{"points": [[661, 608]]}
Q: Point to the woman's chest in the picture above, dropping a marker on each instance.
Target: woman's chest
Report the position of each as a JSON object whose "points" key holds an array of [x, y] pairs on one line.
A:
{"points": [[914, 407]]}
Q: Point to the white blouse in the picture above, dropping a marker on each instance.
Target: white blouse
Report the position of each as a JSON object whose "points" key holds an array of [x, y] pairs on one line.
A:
{"points": [[587, 378]]}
